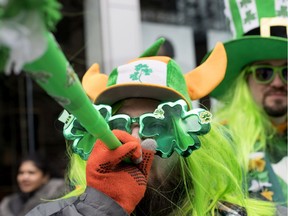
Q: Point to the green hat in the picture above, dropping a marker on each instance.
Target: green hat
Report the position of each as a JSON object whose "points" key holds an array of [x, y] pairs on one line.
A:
{"points": [[149, 76], [259, 29], [155, 77]]}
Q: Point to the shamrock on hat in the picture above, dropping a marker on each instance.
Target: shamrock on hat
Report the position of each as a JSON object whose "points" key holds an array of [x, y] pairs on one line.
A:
{"points": [[155, 77]]}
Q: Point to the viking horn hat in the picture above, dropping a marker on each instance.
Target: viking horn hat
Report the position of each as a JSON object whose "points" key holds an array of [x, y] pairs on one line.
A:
{"points": [[155, 77]]}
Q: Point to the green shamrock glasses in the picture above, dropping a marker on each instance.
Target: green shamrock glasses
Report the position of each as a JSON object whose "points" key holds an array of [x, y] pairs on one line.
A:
{"points": [[171, 125]]}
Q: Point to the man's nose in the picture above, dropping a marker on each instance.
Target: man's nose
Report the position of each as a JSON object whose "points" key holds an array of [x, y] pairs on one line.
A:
{"points": [[135, 130], [277, 81]]}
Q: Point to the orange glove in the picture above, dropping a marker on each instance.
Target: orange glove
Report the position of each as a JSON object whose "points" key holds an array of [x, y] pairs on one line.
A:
{"points": [[124, 182]]}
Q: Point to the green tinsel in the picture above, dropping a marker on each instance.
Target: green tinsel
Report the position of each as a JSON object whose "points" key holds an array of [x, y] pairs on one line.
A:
{"points": [[49, 10]]}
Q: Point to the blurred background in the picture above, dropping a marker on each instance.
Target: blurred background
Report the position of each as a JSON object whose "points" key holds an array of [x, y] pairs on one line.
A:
{"points": [[108, 32]]}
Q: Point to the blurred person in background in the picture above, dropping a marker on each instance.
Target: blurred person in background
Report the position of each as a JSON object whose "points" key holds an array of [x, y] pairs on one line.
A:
{"points": [[35, 185], [253, 94]]}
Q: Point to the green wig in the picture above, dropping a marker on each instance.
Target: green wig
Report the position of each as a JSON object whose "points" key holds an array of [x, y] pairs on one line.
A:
{"points": [[249, 124], [209, 176]]}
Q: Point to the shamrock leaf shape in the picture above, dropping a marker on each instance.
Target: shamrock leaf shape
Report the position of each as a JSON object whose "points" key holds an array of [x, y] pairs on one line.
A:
{"points": [[178, 130], [171, 125], [82, 141], [141, 69]]}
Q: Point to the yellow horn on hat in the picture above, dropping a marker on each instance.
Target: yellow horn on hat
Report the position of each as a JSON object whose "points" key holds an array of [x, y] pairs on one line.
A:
{"points": [[203, 79], [94, 82]]}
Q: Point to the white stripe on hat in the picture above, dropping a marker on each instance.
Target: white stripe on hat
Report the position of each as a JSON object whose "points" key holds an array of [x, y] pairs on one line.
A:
{"points": [[228, 14], [249, 15], [143, 71]]}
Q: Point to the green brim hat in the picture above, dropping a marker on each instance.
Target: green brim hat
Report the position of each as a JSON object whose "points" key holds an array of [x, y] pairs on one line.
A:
{"points": [[155, 77], [251, 23], [149, 76]]}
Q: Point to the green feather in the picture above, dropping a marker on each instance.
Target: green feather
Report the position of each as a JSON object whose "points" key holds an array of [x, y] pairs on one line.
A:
{"points": [[49, 10]]}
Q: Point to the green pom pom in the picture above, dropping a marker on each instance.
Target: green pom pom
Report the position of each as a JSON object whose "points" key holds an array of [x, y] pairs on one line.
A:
{"points": [[11, 9], [49, 10], [51, 13]]}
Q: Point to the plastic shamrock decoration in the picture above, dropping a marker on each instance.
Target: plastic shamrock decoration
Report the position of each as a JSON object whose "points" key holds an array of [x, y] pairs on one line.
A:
{"points": [[175, 129], [82, 141], [171, 125]]}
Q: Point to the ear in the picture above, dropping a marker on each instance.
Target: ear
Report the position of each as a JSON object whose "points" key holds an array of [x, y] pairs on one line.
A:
{"points": [[94, 82], [203, 79]]}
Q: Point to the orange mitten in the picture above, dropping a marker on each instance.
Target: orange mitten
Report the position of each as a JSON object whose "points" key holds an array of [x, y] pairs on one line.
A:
{"points": [[124, 182]]}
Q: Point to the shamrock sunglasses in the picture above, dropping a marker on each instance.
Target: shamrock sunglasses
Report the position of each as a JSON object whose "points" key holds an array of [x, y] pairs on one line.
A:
{"points": [[171, 125], [265, 74]]}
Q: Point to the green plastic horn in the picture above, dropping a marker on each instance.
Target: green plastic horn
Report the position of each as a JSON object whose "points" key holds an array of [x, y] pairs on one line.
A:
{"points": [[26, 43], [55, 75]]}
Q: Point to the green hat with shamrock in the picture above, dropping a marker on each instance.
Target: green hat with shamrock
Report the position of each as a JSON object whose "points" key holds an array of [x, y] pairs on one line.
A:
{"points": [[259, 30], [155, 77]]}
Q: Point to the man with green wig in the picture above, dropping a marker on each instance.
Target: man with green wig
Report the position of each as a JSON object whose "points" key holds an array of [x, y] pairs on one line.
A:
{"points": [[253, 95], [173, 159], [137, 146]]}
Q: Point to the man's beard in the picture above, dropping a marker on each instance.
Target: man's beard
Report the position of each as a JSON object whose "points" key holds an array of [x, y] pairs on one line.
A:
{"points": [[163, 199], [278, 109], [275, 112]]}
